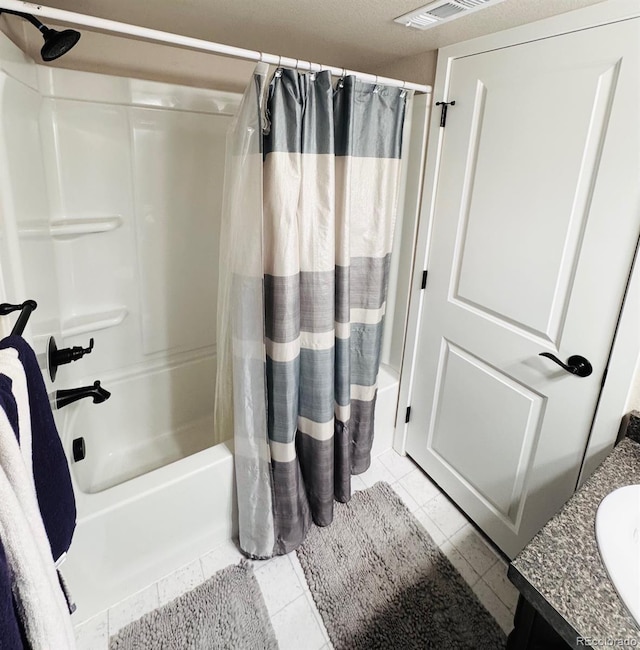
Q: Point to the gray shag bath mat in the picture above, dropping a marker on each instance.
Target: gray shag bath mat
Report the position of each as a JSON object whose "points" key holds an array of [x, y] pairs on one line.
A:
{"points": [[227, 611], [380, 582]]}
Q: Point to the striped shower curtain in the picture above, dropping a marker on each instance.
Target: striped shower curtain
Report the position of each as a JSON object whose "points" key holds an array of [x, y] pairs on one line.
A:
{"points": [[330, 172]]}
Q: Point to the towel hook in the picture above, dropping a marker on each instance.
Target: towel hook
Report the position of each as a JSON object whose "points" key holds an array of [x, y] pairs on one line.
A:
{"points": [[26, 308]]}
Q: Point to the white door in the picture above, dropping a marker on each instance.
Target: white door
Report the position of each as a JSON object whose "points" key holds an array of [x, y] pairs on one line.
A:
{"points": [[536, 219]]}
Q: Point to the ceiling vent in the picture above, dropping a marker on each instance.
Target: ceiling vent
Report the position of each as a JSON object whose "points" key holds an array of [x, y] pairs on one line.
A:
{"points": [[442, 11]]}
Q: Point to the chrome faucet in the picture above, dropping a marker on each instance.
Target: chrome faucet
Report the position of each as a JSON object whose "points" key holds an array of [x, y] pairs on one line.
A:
{"points": [[65, 397]]}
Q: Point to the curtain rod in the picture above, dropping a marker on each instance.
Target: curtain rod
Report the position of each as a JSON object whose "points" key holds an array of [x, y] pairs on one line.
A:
{"points": [[114, 27]]}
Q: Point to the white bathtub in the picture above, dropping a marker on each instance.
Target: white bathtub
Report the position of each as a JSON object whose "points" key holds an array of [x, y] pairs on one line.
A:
{"points": [[134, 533], [152, 492], [155, 416]]}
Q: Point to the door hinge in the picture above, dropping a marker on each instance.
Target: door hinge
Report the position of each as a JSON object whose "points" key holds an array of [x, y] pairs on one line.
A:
{"points": [[424, 280], [443, 114], [407, 417]]}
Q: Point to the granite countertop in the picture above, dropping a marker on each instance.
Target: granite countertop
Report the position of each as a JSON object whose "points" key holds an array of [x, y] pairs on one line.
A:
{"points": [[560, 571]]}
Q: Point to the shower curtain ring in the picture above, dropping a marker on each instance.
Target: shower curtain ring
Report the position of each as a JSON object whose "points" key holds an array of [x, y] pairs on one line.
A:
{"points": [[312, 72]]}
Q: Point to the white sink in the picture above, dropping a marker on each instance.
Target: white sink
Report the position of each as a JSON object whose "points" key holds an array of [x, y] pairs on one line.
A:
{"points": [[618, 535]]}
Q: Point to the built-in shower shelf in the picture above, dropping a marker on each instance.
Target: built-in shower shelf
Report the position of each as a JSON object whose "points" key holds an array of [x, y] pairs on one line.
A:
{"points": [[92, 322], [70, 228]]}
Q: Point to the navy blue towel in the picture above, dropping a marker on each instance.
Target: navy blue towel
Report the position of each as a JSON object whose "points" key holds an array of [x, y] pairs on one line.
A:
{"points": [[50, 467], [8, 403]]}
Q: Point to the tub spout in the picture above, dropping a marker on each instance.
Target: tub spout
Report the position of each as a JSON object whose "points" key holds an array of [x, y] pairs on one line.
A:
{"points": [[65, 397]]}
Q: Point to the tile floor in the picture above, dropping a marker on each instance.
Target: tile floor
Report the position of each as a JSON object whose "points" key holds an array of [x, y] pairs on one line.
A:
{"points": [[294, 616]]}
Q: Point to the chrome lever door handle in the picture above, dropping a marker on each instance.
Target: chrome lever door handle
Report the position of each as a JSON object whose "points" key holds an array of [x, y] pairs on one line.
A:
{"points": [[576, 364]]}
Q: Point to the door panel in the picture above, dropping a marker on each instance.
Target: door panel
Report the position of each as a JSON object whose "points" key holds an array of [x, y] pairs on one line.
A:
{"points": [[536, 220], [503, 159], [505, 407]]}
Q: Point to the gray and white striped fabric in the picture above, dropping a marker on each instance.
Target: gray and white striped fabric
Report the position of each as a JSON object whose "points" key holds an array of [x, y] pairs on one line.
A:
{"points": [[330, 175], [307, 228]]}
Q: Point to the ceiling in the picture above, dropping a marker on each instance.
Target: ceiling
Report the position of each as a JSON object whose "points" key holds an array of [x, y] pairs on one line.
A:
{"points": [[355, 34]]}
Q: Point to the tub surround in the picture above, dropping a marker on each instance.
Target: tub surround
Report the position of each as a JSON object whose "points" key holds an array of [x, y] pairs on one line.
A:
{"points": [[560, 574], [148, 527]]}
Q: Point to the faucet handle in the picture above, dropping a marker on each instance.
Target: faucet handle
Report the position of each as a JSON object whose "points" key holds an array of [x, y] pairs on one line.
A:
{"points": [[102, 395], [65, 355]]}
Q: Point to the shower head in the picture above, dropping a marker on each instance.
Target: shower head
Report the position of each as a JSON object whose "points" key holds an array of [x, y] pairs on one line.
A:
{"points": [[55, 43]]}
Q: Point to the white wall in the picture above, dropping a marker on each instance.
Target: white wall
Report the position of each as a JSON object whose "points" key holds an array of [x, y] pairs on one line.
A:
{"points": [[127, 57], [27, 260], [149, 159], [110, 197], [633, 401], [410, 194], [419, 68], [135, 172]]}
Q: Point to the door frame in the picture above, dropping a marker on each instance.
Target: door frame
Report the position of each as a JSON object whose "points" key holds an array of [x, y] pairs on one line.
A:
{"points": [[625, 350]]}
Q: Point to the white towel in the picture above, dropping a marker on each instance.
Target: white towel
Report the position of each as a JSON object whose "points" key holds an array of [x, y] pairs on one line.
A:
{"points": [[11, 366], [39, 597]]}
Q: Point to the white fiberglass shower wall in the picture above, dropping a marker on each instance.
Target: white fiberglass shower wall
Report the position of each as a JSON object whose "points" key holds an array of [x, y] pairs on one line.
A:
{"points": [[110, 190], [136, 179]]}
